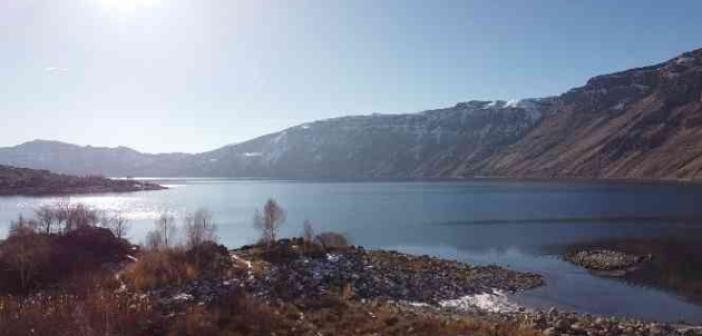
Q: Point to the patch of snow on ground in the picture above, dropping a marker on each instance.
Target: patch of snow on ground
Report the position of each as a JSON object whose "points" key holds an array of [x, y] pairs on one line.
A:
{"points": [[531, 107], [495, 302], [684, 60], [247, 262], [418, 304], [182, 297], [252, 154]]}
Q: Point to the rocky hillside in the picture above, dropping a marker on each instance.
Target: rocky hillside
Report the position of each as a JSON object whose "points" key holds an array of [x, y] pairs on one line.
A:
{"points": [[640, 123], [23, 181]]}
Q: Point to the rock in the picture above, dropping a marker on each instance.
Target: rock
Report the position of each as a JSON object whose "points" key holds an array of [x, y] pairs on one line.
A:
{"points": [[383, 275], [606, 260], [550, 331]]}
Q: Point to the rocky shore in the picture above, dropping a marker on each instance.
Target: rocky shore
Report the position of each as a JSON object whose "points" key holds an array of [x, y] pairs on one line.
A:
{"points": [[606, 261], [385, 275], [554, 322], [420, 285]]}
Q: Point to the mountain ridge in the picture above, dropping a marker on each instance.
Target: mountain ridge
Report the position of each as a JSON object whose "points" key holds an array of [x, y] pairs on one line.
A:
{"points": [[640, 123]]}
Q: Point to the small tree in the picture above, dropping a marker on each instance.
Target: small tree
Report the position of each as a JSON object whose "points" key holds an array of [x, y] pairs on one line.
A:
{"points": [[307, 232], [165, 226], [270, 221], [200, 227]]}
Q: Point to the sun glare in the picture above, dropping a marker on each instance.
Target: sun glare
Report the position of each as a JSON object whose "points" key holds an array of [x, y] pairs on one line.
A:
{"points": [[129, 5]]}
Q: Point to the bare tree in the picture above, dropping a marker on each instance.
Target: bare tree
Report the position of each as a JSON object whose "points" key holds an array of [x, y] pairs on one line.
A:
{"points": [[62, 209], [116, 223], [165, 225], [46, 217], [270, 221], [200, 227], [81, 216]]}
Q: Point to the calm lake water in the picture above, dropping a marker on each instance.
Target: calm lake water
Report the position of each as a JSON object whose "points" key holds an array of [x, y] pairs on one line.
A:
{"points": [[522, 225]]}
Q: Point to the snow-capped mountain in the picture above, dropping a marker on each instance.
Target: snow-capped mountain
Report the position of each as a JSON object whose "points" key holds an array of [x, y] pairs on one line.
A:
{"points": [[639, 123]]}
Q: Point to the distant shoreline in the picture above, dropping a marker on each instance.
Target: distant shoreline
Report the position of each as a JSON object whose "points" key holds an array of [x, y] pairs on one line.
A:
{"points": [[30, 182], [561, 180]]}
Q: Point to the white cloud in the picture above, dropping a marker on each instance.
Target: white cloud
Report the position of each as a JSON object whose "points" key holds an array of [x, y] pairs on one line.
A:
{"points": [[55, 69]]}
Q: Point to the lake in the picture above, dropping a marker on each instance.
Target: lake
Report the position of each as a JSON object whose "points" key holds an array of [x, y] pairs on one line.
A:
{"points": [[518, 224]]}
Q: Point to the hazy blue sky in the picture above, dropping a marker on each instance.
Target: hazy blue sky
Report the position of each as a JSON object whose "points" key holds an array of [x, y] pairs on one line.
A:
{"points": [[192, 75]]}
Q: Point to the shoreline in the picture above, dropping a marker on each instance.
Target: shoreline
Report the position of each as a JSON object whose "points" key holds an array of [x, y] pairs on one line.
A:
{"points": [[511, 179]]}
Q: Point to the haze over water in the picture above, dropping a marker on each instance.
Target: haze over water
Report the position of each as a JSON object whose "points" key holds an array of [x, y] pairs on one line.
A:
{"points": [[523, 225]]}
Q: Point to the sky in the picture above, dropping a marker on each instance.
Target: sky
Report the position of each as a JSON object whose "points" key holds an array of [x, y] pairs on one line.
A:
{"points": [[194, 75]]}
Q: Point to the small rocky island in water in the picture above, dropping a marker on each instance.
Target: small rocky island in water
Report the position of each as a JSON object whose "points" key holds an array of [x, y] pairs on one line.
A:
{"points": [[607, 261], [24, 181]]}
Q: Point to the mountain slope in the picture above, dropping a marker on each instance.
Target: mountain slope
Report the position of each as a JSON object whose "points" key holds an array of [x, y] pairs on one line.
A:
{"points": [[78, 160], [639, 123], [429, 143]]}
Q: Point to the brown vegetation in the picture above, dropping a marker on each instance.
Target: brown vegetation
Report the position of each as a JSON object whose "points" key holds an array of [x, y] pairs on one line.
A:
{"points": [[55, 269], [177, 266], [63, 242]]}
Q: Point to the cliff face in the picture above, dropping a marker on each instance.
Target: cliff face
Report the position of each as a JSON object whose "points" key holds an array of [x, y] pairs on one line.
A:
{"points": [[639, 123]]}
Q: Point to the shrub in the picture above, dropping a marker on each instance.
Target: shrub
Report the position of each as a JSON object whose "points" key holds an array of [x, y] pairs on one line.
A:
{"points": [[210, 259], [160, 268], [177, 266], [25, 257], [31, 260], [332, 240]]}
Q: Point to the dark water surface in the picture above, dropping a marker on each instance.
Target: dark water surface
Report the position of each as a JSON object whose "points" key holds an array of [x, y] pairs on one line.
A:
{"points": [[523, 225]]}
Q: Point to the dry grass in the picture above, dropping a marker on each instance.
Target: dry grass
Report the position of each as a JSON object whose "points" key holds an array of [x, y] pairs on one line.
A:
{"points": [[98, 313], [160, 268], [89, 305], [384, 319], [177, 266]]}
